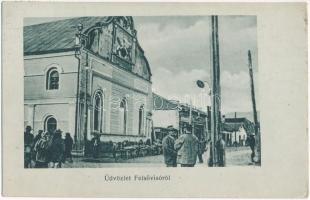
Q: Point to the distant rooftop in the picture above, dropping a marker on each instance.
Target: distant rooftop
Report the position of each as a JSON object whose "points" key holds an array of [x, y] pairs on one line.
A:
{"points": [[161, 103], [234, 124], [236, 120]]}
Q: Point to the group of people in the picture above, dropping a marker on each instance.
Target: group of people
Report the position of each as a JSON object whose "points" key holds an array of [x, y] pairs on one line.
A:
{"points": [[183, 150], [46, 149]]}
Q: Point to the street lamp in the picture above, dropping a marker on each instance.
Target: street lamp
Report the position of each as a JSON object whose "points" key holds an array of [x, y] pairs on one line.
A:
{"points": [[202, 84]]}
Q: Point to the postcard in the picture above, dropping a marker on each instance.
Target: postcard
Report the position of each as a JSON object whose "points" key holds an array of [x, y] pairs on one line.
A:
{"points": [[154, 99]]}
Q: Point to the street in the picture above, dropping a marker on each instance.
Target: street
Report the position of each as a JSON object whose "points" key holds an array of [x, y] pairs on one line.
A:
{"points": [[238, 156], [235, 156]]}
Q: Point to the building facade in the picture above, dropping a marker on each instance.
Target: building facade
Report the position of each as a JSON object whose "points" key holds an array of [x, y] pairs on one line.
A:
{"points": [[87, 76], [168, 112], [236, 130]]}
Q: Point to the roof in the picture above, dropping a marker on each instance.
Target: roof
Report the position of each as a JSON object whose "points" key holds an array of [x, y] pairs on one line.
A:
{"points": [[234, 124], [161, 103], [236, 120], [56, 36], [231, 127], [187, 107]]}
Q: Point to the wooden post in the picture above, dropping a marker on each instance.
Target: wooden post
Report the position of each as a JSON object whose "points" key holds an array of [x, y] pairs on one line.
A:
{"points": [[216, 90], [256, 124], [235, 130]]}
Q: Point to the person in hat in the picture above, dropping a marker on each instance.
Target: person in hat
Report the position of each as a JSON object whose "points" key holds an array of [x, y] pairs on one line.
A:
{"points": [[37, 137], [251, 142], [35, 140], [57, 149], [201, 148], [170, 154], [41, 149], [95, 145], [68, 147], [28, 146], [220, 149], [28, 136], [187, 147]]}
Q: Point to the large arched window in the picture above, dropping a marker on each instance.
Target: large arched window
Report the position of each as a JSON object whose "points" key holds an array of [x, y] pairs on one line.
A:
{"points": [[141, 119], [50, 124], [98, 111], [52, 79], [123, 117]]}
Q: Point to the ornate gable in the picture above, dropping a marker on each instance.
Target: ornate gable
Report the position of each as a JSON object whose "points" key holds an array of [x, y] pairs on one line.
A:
{"points": [[115, 39]]}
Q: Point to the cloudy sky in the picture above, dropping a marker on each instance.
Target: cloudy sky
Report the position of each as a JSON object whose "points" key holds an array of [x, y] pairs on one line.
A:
{"points": [[178, 51]]}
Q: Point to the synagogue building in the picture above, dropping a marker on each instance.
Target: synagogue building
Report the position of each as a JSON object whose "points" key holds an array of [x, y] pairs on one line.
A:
{"points": [[87, 76]]}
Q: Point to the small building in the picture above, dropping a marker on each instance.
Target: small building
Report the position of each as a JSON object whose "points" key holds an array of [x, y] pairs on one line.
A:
{"points": [[169, 112], [236, 131], [87, 76]]}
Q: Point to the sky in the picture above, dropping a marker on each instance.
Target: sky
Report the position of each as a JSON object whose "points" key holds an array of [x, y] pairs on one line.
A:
{"points": [[178, 51]]}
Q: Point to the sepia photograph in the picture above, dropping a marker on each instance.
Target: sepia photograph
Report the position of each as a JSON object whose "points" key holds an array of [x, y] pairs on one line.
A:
{"points": [[141, 91]]}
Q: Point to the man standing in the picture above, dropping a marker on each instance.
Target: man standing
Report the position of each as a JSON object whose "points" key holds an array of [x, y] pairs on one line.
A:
{"points": [[187, 147], [41, 149], [220, 147], [68, 147], [201, 148], [28, 144], [251, 142], [170, 154], [57, 149], [95, 142]]}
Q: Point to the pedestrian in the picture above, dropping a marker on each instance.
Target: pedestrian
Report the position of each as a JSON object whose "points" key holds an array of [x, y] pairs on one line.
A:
{"points": [[170, 154], [251, 142], [211, 154], [57, 150], [28, 146], [37, 137], [41, 148], [220, 148], [68, 147], [35, 140], [201, 148], [50, 137], [187, 148], [95, 143]]}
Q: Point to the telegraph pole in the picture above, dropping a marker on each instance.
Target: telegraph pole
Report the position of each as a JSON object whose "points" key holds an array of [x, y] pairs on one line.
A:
{"points": [[256, 124], [235, 130], [216, 89]]}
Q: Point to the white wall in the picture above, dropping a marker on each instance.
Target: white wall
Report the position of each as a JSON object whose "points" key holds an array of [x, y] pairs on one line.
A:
{"points": [[39, 102]]}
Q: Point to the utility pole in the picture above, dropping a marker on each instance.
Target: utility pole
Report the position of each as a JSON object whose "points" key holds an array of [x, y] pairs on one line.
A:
{"points": [[235, 130], [256, 124], [216, 90], [191, 117]]}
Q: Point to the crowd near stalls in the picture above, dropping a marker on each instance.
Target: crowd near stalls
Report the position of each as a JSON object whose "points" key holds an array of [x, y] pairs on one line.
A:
{"points": [[46, 149], [121, 150]]}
